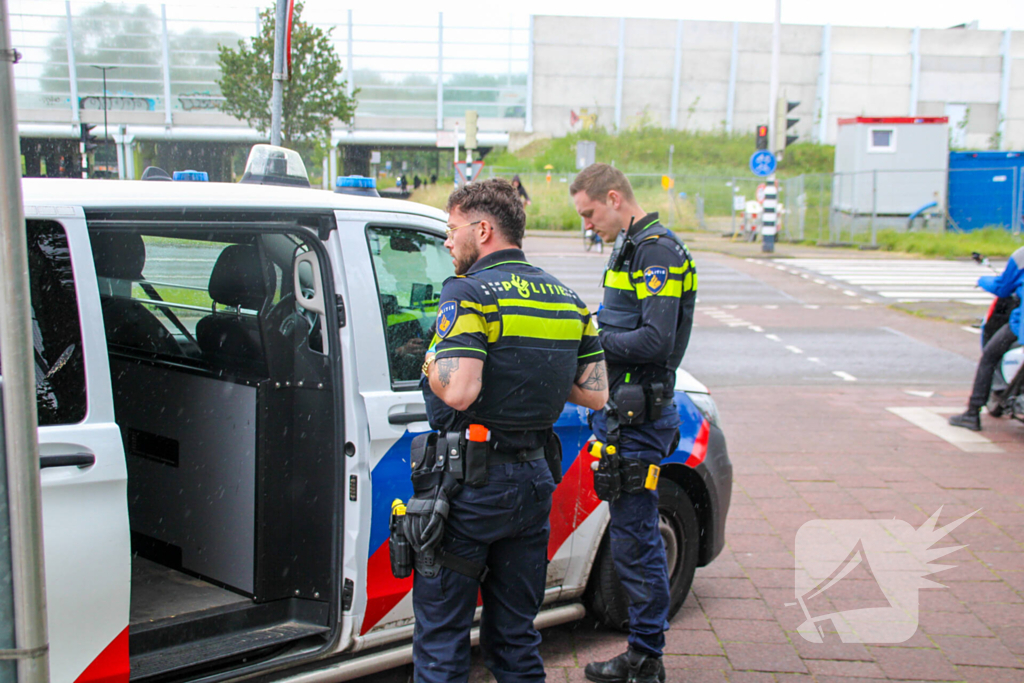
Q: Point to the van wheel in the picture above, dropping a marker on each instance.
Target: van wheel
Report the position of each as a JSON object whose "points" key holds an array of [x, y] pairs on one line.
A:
{"points": [[680, 533]]}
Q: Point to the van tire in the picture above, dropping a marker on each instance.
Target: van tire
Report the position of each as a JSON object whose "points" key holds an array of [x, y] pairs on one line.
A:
{"points": [[680, 532]]}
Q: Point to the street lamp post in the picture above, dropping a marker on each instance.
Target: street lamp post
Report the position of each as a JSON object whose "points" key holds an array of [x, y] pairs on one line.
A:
{"points": [[106, 138]]}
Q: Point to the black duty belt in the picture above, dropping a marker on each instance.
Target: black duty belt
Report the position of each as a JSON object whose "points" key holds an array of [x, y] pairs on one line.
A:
{"points": [[495, 457]]}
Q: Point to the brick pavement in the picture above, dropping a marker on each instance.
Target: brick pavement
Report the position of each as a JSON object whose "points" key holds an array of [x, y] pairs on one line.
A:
{"points": [[735, 626]]}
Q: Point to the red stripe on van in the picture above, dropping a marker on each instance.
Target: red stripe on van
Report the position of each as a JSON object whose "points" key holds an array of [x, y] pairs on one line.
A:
{"points": [[383, 590], [112, 664], [573, 501], [700, 445]]}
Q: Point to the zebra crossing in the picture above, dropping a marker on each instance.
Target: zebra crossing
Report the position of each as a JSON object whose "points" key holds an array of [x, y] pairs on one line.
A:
{"points": [[903, 280]]}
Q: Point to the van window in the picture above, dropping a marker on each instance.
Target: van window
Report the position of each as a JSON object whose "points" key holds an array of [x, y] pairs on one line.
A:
{"points": [[410, 266], [157, 290], [56, 330]]}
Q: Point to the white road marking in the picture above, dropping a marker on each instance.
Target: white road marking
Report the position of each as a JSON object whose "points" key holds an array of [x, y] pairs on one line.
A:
{"points": [[772, 306], [868, 301], [933, 421], [811, 306], [819, 281], [972, 330], [805, 276], [794, 349], [731, 306], [814, 359], [755, 328], [773, 337], [833, 287], [921, 394], [845, 376], [901, 278], [853, 308], [849, 292]]}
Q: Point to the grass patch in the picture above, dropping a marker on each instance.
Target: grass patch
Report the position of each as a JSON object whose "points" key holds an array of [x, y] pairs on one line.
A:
{"points": [[990, 241], [551, 207], [646, 149]]}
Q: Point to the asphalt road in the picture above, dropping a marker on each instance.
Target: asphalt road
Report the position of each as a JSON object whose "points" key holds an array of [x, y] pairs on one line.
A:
{"points": [[757, 325]]}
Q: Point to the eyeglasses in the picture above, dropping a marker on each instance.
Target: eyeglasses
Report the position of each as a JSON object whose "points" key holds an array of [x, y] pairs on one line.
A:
{"points": [[448, 230]]}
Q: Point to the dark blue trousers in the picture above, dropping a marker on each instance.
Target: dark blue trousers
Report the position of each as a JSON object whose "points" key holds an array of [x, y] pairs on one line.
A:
{"points": [[504, 524], [636, 544]]}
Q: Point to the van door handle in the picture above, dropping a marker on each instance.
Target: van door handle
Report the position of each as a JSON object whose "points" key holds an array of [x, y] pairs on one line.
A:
{"points": [[72, 460], [407, 418]]}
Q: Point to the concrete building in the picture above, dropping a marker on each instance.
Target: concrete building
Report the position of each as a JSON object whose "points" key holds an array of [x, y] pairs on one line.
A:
{"points": [[700, 75]]}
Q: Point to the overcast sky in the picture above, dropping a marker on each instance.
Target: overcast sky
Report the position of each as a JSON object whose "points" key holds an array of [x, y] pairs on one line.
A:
{"points": [[991, 14]]}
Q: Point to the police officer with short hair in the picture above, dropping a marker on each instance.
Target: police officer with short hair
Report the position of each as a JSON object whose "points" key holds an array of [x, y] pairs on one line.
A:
{"points": [[650, 288], [512, 345]]}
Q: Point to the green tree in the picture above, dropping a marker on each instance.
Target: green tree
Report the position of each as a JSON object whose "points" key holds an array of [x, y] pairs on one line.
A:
{"points": [[314, 96]]}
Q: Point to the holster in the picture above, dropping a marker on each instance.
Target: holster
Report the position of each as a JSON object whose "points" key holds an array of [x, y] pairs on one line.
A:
{"points": [[476, 463], [634, 474], [607, 476], [639, 404], [630, 404], [553, 456], [399, 549]]}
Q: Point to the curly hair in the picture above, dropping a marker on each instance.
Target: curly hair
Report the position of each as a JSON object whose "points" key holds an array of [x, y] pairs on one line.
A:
{"points": [[499, 201]]}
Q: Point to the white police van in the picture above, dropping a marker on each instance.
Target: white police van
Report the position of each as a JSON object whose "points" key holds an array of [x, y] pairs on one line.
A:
{"points": [[227, 390]]}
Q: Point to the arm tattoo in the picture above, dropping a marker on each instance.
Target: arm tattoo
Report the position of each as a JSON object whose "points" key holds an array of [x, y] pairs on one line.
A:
{"points": [[598, 379], [580, 369], [445, 368]]}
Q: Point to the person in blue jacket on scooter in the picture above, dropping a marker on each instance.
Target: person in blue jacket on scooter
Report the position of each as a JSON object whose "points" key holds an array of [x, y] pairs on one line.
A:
{"points": [[1010, 281]]}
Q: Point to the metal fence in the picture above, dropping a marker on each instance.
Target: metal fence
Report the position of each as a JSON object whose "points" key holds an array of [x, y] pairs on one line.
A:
{"points": [[829, 208], [164, 57]]}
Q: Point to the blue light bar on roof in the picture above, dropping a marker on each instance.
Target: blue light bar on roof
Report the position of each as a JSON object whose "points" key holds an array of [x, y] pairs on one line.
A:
{"points": [[194, 176], [360, 181]]}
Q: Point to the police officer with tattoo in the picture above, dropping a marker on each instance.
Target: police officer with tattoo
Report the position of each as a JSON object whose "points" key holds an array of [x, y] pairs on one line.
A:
{"points": [[650, 288], [511, 345]]}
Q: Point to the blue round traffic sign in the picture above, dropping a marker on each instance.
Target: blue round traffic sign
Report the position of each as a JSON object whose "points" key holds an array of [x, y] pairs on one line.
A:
{"points": [[763, 162]]}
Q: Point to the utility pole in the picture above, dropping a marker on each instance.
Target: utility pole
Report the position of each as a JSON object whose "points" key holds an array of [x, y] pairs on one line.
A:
{"points": [[26, 589], [773, 82], [106, 137], [279, 76]]}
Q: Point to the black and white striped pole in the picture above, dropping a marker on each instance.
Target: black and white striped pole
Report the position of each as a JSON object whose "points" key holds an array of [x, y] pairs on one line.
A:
{"points": [[769, 217]]}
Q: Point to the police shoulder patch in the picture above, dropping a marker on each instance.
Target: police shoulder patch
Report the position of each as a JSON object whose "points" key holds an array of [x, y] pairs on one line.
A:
{"points": [[655, 278], [446, 316]]}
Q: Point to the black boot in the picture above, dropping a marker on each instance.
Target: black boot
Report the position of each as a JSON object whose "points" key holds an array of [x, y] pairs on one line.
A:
{"points": [[629, 667], [968, 420]]}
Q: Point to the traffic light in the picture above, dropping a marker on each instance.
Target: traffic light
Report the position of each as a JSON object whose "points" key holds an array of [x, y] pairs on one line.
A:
{"points": [[89, 142], [471, 117], [762, 137], [783, 123]]}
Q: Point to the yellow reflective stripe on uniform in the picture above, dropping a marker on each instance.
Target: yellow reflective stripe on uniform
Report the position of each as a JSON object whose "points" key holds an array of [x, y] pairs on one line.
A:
{"points": [[591, 329], [480, 308], [690, 282], [542, 328], [459, 348], [472, 323], [543, 305], [682, 269], [671, 288], [616, 279]]}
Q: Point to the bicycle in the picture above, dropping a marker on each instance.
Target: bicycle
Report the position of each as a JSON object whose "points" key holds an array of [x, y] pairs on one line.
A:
{"points": [[592, 239]]}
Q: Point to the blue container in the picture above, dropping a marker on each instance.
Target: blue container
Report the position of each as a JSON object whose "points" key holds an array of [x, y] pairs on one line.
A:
{"points": [[986, 189]]}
